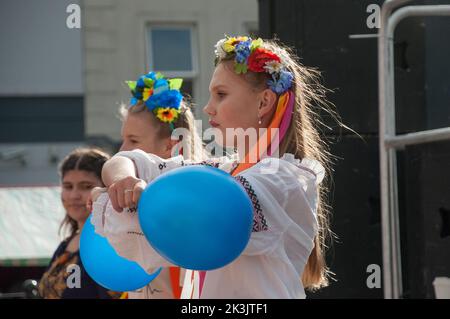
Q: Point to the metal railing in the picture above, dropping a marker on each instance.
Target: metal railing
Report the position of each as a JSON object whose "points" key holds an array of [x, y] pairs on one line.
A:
{"points": [[390, 142]]}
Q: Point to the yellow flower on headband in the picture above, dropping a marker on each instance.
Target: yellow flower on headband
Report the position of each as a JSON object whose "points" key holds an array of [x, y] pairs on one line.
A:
{"points": [[146, 94], [229, 44], [166, 114]]}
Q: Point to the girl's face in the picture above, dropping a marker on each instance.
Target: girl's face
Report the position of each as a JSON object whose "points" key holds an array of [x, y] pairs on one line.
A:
{"points": [[76, 188], [234, 103], [139, 131]]}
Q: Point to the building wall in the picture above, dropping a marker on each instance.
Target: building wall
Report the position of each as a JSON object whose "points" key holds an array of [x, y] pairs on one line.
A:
{"points": [[41, 90], [40, 55], [114, 37], [41, 85], [60, 87]]}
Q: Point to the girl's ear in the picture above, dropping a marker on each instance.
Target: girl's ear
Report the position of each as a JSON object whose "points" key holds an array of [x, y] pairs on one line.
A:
{"points": [[267, 102]]}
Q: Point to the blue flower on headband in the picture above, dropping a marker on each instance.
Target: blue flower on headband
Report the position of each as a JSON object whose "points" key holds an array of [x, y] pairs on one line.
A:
{"points": [[133, 101], [168, 98], [282, 84], [160, 86], [242, 51], [151, 75], [160, 95]]}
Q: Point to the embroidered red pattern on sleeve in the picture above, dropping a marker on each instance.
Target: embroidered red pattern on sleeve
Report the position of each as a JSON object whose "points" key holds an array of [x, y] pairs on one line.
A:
{"points": [[259, 221]]}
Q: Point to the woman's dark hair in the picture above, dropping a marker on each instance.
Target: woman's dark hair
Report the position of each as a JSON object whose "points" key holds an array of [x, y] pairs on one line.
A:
{"points": [[83, 159]]}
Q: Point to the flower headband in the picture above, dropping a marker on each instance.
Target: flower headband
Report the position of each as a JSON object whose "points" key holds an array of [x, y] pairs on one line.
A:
{"points": [[251, 55], [161, 96]]}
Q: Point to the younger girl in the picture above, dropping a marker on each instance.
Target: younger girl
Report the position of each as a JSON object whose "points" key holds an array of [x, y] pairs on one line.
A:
{"points": [[149, 128], [257, 87]]}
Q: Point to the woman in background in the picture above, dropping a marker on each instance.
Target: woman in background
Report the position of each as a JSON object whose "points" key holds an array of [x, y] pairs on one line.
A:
{"points": [[80, 172]]}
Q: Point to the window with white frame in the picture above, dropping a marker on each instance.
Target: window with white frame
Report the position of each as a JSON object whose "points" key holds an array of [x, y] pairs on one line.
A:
{"points": [[172, 50]]}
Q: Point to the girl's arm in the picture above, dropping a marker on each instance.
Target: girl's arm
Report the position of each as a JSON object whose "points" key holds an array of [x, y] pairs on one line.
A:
{"points": [[120, 176], [123, 230], [117, 168], [127, 173]]}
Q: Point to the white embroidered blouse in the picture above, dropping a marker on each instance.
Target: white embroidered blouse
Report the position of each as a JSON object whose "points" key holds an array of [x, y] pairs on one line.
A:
{"points": [[284, 196]]}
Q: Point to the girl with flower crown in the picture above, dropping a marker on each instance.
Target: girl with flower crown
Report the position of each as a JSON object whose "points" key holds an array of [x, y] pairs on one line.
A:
{"points": [[156, 111], [257, 85]]}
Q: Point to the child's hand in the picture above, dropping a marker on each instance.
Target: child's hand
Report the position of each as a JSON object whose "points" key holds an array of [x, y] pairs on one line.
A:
{"points": [[126, 192], [95, 193]]}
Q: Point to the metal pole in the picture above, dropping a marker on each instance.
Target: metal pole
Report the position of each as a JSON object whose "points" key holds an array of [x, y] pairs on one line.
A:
{"points": [[400, 141], [411, 11], [388, 161], [396, 267], [393, 191], [383, 71]]}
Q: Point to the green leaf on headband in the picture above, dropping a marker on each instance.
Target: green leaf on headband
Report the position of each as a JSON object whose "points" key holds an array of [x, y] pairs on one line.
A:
{"points": [[131, 85], [148, 82], [159, 76], [175, 84], [256, 44], [240, 68]]}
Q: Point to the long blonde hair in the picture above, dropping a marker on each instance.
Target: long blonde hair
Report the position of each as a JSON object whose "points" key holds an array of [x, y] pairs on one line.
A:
{"points": [[303, 139], [195, 148]]}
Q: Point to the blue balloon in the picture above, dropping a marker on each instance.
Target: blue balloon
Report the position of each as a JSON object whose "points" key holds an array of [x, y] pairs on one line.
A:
{"points": [[106, 267], [197, 217]]}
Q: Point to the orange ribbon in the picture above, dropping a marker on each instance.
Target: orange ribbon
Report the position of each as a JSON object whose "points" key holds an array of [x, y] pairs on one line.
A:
{"points": [[266, 140]]}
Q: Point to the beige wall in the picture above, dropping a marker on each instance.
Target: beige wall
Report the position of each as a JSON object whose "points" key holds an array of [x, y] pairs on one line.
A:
{"points": [[115, 47]]}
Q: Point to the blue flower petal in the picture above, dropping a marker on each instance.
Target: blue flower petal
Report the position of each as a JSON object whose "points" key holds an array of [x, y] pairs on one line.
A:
{"points": [[282, 84], [151, 75], [160, 86], [133, 101], [242, 51], [170, 98], [138, 95], [140, 83]]}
